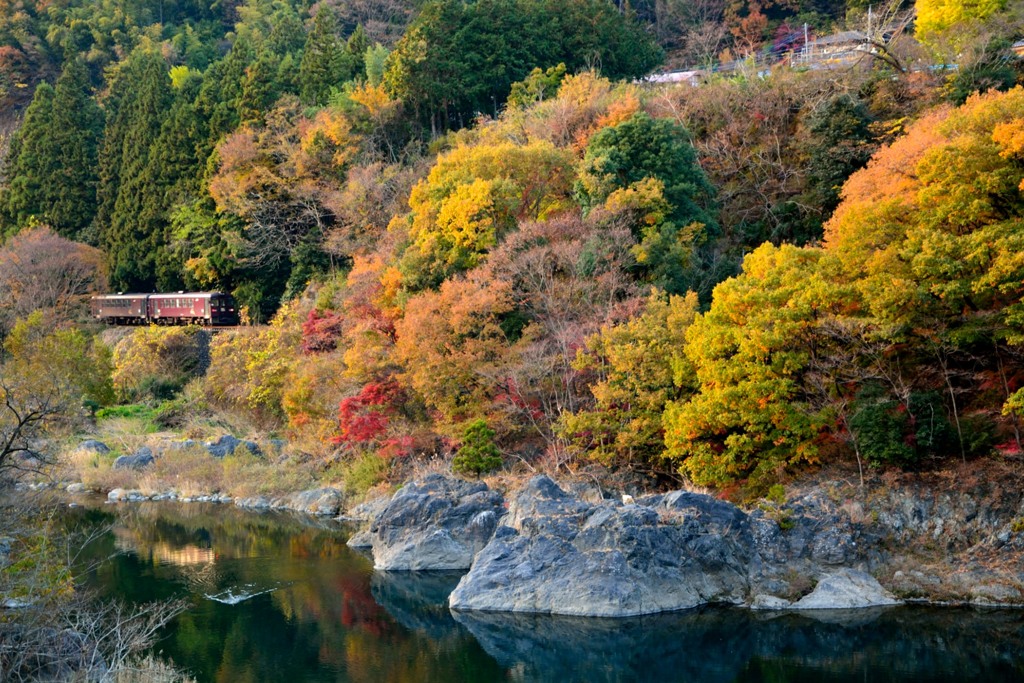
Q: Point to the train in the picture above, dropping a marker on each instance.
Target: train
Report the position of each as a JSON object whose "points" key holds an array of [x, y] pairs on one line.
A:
{"points": [[210, 309]]}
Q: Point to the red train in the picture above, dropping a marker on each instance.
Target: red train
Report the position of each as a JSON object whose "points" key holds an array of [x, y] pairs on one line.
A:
{"points": [[183, 308]]}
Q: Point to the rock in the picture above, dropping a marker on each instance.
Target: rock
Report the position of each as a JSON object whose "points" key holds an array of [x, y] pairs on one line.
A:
{"points": [[568, 557], [322, 502], [846, 589], [254, 503], [126, 495], [77, 487], [769, 602], [367, 510], [28, 461], [5, 551], [138, 460], [94, 446], [993, 593], [183, 445], [15, 603], [436, 523], [361, 539], [227, 444]]}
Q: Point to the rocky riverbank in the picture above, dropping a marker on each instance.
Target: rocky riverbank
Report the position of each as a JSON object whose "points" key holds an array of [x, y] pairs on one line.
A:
{"points": [[583, 549], [553, 552]]}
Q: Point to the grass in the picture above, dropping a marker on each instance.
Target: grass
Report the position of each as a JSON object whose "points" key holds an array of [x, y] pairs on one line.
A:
{"points": [[192, 472]]}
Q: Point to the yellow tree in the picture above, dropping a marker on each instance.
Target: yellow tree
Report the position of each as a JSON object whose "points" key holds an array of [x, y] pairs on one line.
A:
{"points": [[952, 20], [473, 196], [639, 366], [749, 416]]}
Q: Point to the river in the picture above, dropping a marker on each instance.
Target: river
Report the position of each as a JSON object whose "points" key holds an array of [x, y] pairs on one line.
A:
{"points": [[280, 598]]}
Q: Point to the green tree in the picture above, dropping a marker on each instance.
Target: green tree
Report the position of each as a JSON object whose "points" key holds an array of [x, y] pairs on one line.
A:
{"points": [[325, 63], [52, 167], [478, 454], [459, 59], [31, 162], [132, 214], [646, 170], [640, 367], [642, 147], [840, 142], [355, 52]]}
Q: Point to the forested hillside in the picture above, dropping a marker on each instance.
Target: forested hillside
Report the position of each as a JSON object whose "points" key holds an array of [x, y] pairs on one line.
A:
{"points": [[473, 227]]}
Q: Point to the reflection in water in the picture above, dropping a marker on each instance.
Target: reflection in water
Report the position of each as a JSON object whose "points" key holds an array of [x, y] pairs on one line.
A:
{"points": [[419, 601], [727, 644], [298, 605]]}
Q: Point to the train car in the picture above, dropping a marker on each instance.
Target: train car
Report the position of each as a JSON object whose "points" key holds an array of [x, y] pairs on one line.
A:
{"points": [[192, 308], [120, 309], [181, 308]]}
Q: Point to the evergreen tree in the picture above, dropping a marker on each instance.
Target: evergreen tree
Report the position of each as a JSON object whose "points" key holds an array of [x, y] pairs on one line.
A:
{"points": [[324, 61], [133, 195], [75, 132], [260, 88], [30, 162], [52, 168], [478, 453], [355, 52]]}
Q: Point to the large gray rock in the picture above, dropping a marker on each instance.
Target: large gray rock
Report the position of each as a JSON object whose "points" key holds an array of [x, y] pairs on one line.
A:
{"points": [[846, 589], [94, 446], [436, 523], [138, 460], [325, 502], [227, 444], [560, 555], [5, 551], [362, 539]]}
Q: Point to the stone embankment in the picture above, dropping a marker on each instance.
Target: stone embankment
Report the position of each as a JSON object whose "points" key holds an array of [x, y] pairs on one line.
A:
{"points": [[547, 550]]}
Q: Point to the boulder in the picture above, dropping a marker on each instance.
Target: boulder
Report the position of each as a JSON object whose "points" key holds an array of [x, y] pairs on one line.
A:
{"points": [[227, 444], [254, 503], [846, 589], [361, 539], [438, 522], [560, 555], [138, 460], [126, 495], [367, 510], [321, 502], [94, 446], [5, 551], [77, 487], [762, 601]]}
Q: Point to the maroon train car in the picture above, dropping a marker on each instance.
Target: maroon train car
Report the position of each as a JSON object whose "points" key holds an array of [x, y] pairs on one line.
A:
{"points": [[120, 309], [181, 308]]}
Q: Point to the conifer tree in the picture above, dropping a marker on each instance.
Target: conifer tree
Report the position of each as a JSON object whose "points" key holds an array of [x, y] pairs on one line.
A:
{"points": [[30, 162], [75, 131], [132, 217], [324, 64], [355, 52], [52, 166]]}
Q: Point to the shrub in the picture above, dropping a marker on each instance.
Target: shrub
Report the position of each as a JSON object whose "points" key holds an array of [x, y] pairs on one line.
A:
{"points": [[156, 362], [363, 473]]}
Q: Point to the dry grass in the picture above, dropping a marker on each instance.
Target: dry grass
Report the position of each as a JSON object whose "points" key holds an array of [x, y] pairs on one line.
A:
{"points": [[151, 670], [192, 472]]}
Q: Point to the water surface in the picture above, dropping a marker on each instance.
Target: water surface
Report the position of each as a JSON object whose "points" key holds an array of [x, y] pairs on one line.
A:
{"points": [[281, 598]]}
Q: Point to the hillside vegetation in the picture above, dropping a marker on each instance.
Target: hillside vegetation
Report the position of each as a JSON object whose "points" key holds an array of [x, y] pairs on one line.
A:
{"points": [[471, 230]]}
